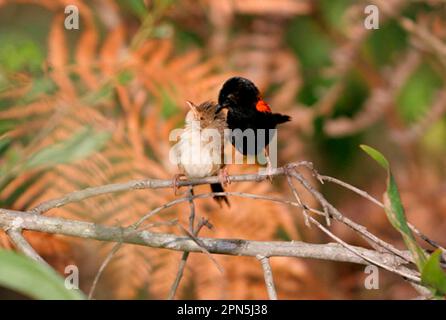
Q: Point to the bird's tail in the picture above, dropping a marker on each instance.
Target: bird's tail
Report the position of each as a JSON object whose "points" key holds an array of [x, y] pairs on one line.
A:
{"points": [[217, 187], [280, 118]]}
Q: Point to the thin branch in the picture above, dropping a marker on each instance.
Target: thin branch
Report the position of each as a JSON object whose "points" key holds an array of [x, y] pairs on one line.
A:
{"points": [[202, 247], [391, 260], [361, 230], [413, 276], [185, 255], [268, 275], [299, 201], [80, 195], [408, 275], [237, 247], [192, 210], [380, 204], [203, 222], [104, 264], [23, 246], [191, 197], [179, 276]]}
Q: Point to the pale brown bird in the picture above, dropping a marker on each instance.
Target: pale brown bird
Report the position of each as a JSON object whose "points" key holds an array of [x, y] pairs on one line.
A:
{"points": [[200, 150]]}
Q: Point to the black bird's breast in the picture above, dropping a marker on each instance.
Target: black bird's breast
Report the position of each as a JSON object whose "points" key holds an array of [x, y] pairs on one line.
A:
{"points": [[250, 134]]}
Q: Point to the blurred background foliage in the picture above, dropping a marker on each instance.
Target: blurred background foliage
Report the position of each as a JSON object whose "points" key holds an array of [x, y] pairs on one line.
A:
{"points": [[92, 106]]}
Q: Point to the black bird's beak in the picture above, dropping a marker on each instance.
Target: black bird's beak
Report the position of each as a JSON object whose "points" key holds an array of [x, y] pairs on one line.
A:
{"points": [[220, 107]]}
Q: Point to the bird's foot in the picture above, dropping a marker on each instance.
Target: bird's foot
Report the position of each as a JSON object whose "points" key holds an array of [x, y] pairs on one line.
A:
{"points": [[176, 182], [269, 172], [224, 177], [269, 166]]}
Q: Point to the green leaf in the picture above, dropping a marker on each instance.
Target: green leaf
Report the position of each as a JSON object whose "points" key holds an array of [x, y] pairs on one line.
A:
{"points": [[433, 276], [395, 213], [395, 210], [77, 147], [20, 273], [376, 155]]}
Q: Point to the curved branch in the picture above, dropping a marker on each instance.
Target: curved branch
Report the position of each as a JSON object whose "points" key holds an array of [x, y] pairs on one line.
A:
{"points": [[80, 195], [238, 247]]}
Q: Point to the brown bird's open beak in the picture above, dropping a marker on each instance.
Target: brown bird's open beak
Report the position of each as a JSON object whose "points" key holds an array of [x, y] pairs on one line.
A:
{"points": [[193, 108], [191, 105]]}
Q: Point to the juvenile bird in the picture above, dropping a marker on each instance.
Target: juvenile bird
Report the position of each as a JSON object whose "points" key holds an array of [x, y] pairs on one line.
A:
{"points": [[200, 150], [247, 110]]}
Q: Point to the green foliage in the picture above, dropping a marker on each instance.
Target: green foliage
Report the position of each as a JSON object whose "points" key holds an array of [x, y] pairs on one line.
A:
{"points": [[395, 213], [333, 11], [19, 53], [104, 93], [417, 94], [385, 45], [125, 77], [33, 279], [169, 106], [376, 155], [432, 274], [434, 139], [79, 146], [136, 7], [310, 43], [39, 86], [355, 94], [312, 46], [395, 210]]}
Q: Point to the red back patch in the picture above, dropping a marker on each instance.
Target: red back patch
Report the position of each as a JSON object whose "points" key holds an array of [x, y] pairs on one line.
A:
{"points": [[262, 106]]}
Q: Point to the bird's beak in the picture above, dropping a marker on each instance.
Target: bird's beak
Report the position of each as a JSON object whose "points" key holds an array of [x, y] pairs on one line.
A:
{"points": [[220, 107], [193, 108], [191, 105]]}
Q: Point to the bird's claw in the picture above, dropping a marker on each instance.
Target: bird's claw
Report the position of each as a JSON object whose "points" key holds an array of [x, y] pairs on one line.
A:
{"points": [[269, 172], [223, 176], [176, 181]]}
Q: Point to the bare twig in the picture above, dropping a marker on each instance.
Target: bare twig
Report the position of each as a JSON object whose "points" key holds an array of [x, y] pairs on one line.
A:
{"points": [[361, 230], [380, 204], [413, 276], [202, 247], [299, 201], [104, 264], [87, 193], [80, 195], [391, 259], [23, 246], [89, 230], [268, 274], [184, 257], [192, 210]]}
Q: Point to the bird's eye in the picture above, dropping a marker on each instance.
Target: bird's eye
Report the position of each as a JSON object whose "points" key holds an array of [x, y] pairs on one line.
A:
{"points": [[201, 118]]}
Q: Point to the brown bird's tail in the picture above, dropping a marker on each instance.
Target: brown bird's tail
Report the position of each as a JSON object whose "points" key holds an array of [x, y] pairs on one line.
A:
{"points": [[217, 187]]}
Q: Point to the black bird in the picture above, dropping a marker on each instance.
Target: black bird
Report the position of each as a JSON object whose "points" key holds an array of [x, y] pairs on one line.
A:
{"points": [[247, 110]]}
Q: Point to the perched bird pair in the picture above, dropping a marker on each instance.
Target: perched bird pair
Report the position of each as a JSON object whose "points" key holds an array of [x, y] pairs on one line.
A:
{"points": [[246, 110]]}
